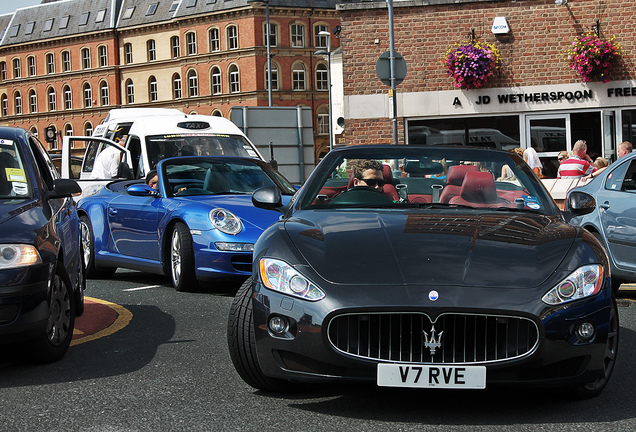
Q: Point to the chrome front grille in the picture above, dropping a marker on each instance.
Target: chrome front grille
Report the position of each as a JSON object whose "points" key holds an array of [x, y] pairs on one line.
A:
{"points": [[408, 337]]}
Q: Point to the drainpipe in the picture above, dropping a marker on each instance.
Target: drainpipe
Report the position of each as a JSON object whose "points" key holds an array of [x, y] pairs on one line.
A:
{"points": [[301, 155]]}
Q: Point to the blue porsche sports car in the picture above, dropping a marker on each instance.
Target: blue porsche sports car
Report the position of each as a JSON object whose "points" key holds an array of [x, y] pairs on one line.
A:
{"points": [[198, 225]]}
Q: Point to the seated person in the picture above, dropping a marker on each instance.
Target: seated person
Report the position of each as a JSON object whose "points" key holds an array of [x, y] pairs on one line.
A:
{"points": [[368, 173], [152, 179]]}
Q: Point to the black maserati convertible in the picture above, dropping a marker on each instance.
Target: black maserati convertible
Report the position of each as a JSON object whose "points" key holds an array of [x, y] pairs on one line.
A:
{"points": [[426, 267]]}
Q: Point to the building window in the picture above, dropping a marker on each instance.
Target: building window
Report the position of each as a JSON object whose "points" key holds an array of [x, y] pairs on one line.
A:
{"points": [[102, 53], [29, 28], [216, 81], [274, 77], [273, 35], [3, 71], [298, 76], [232, 37], [320, 40], [128, 53], [50, 63], [175, 45], [17, 68], [235, 79], [215, 40], [104, 94], [17, 100], [68, 130], [298, 36], [88, 96], [323, 123], [128, 13], [84, 18], [193, 84], [5, 105], [191, 43], [66, 61], [152, 89], [86, 58], [130, 92], [176, 87], [174, 5], [100, 16], [322, 77], [33, 101], [31, 66], [88, 129], [48, 24], [52, 99], [67, 96], [152, 50], [152, 8], [217, 113]]}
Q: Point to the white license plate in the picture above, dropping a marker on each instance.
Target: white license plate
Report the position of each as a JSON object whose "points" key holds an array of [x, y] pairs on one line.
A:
{"points": [[437, 376]]}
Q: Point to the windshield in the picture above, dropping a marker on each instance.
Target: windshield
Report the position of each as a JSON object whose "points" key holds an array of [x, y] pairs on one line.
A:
{"points": [[165, 146], [14, 183], [410, 176], [219, 176]]}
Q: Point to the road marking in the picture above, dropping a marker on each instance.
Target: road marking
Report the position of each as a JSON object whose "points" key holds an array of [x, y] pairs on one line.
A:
{"points": [[123, 318], [142, 288]]}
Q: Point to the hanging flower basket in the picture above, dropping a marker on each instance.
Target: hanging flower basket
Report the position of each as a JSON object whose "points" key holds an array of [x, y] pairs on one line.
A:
{"points": [[593, 57], [471, 63]]}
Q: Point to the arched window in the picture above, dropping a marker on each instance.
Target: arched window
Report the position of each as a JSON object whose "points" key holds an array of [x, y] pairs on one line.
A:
{"points": [[31, 66], [67, 95], [322, 77], [4, 103], [176, 87], [17, 68], [50, 63], [232, 37], [51, 98], [86, 58], [297, 36], [193, 84], [235, 79], [66, 61], [128, 53], [151, 47], [322, 120], [130, 91], [298, 76], [175, 45], [88, 129], [152, 89], [34, 130], [17, 103], [88, 95], [273, 34], [274, 77], [215, 39], [104, 94], [320, 40], [215, 79], [102, 53], [217, 113], [191, 43], [68, 129], [33, 101], [3, 71]]}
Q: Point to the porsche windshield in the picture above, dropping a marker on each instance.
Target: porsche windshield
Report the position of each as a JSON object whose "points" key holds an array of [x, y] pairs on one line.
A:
{"points": [[409, 176]]}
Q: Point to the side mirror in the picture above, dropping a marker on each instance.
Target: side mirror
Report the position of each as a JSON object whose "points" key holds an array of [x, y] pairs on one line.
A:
{"points": [[64, 188], [268, 198], [142, 190], [580, 203]]}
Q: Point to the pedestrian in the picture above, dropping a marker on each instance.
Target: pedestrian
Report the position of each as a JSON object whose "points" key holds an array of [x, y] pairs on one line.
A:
{"points": [[623, 149], [578, 164]]}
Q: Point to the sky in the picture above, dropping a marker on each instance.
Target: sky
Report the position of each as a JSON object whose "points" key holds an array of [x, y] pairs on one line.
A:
{"points": [[8, 6]]}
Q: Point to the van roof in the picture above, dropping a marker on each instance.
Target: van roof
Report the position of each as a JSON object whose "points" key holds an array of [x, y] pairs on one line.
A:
{"points": [[181, 124], [119, 113]]}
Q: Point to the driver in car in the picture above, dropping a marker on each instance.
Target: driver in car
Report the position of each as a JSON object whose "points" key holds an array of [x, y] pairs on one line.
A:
{"points": [[368, 172]]}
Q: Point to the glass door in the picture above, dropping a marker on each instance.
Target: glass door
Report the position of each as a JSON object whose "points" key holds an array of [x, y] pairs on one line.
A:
{"points": [[549, 135]]}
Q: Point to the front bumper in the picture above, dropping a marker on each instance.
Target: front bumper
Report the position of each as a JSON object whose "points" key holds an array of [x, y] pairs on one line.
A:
{"points": [[304, 352]]}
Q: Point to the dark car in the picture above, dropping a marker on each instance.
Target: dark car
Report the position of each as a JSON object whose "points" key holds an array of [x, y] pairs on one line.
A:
{"points": [[41, 272], [611, 197], [446, 276], [199, 225]]}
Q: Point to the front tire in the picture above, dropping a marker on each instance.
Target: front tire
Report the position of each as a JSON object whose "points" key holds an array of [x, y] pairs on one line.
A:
{"points": [[182, 259], [242, 344], [55, 340], [88, 252]]}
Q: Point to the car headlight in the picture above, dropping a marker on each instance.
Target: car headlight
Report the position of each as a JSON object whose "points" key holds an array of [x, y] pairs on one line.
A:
{"points": [[18, 255], [279, 276], [225, 221], [583, 282]]}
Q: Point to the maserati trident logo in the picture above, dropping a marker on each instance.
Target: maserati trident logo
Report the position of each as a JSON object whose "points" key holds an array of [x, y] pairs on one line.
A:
{"points": [[431, 342]]}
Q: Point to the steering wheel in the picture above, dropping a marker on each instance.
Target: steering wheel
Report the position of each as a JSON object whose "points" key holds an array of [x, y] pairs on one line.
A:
{"points": [[362, 195]]}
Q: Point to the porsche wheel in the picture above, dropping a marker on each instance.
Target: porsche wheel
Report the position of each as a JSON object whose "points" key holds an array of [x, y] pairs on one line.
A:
{"points": [[88, 252], [182, 259], [242, 344], [55, 340], [609, 360]]}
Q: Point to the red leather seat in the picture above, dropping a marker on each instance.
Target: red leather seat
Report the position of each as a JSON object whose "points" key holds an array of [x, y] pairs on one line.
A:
{"points": [[454, 181], [478, 190]]}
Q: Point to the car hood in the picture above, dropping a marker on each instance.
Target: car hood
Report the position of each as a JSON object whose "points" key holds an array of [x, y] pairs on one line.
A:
{"points": [[20, 221], [461, 249]]}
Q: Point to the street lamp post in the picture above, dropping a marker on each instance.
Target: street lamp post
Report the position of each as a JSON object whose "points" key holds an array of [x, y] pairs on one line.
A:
{"points": [[328, 54], [268, 45]]}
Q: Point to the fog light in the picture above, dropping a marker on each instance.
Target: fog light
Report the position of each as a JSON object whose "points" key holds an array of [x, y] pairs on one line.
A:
{"points": [[585, 331], [278, 325]]}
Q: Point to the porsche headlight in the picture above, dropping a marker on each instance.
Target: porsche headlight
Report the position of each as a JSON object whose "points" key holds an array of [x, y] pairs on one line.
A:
{"points": [[584, 282], [279, 276], [225, 221], [18, 255]]}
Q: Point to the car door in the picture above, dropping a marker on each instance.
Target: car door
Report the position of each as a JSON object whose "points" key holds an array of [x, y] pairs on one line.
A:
{"points": [[617, 213], [133, 223]]}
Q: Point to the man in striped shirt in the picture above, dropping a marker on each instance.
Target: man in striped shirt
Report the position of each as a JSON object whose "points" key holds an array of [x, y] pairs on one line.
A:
{"points": [[578, 165]]}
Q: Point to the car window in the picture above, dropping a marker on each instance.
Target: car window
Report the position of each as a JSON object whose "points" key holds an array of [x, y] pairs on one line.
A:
{"points": [[14, 181], [42, 159], [617, 175]]}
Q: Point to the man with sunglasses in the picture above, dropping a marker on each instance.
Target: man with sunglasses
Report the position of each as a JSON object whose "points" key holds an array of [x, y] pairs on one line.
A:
{"points": [[368, 173]]}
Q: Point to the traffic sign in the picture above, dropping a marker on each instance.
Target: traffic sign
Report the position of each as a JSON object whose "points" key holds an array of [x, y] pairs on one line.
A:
{"points": [[383, 68]]}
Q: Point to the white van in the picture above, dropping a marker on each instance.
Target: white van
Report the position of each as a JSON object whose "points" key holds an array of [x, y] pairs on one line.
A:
{"points": [[144, 136]]}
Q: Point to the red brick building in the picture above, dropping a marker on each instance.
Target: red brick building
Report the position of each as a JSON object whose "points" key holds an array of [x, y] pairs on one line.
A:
{"points": [[533, 99], [67, 63]]}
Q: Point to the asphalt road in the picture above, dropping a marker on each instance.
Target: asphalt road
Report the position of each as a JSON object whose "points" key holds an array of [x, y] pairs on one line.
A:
{"points": [[169, 370]]}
